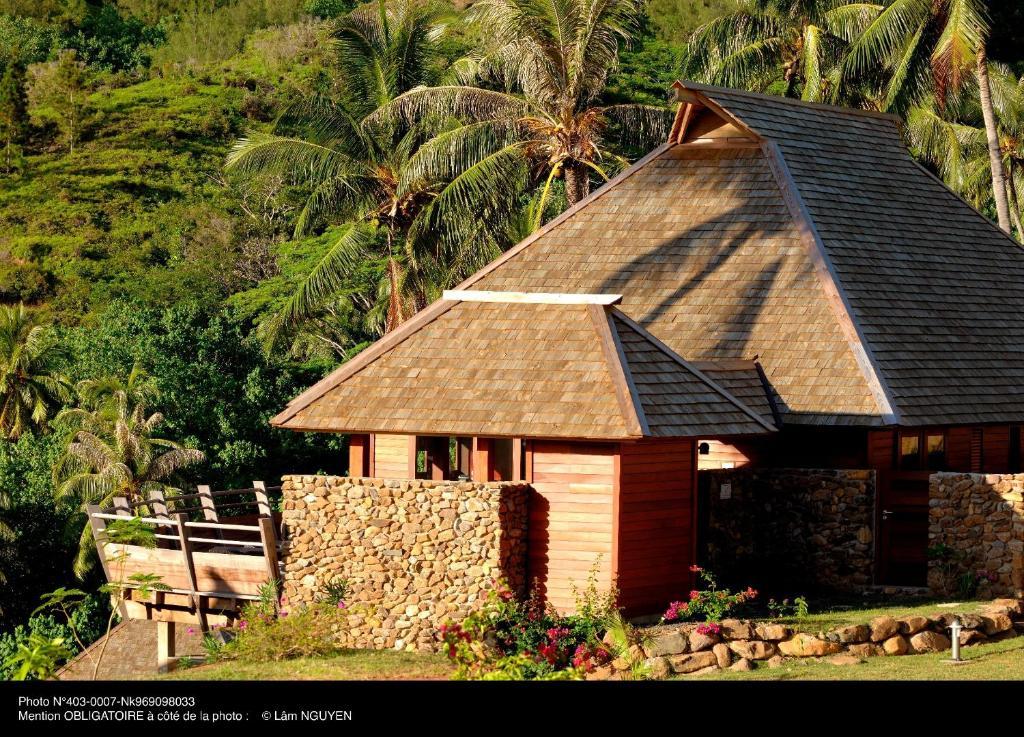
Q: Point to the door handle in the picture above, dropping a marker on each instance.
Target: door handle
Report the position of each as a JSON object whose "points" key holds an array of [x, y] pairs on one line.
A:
{"points": [[886, 514]]}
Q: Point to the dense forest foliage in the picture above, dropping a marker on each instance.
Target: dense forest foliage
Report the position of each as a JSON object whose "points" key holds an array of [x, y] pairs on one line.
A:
{"points": [[205, 205]]}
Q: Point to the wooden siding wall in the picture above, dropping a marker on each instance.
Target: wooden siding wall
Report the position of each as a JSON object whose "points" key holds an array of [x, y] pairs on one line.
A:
{"points": [[656, 541], [719, 454], [572, 516], [392, 457]]}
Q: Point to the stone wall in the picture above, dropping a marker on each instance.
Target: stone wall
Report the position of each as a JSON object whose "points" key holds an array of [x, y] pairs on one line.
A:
{"points": [[791, 530], [976, 527], [743, 645], [414, 553]]}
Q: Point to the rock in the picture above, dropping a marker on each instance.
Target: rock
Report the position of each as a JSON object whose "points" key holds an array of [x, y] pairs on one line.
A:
{"points": [[1014, 607], [844, 660], [896, 645], [668, 643], [704, 671], [603, 673], [929, 642], [912, 625], [692, 662], [700, 641], [658, 668], [851, 633], [736, 629], [752, 649], [803, 645], [993, 624], [865, 649], [775, 661], [773, 632], [971, 637], [742, 665], [723, 654], [882, 628]]}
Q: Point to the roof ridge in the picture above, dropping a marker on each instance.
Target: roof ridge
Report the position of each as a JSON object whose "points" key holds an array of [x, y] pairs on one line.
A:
{"points": [[831, 283], [840, 109], [653, 340], [618, 371]]}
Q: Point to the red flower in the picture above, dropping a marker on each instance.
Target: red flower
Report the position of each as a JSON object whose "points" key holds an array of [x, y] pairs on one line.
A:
{"points": [[695, 569]]}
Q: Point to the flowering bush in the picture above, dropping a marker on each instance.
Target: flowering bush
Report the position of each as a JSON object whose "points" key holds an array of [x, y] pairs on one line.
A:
{"points": [[710, 604], [514, 640], [268, 632]]}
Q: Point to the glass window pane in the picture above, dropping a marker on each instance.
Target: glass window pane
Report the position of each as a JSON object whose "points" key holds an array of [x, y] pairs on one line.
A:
{"points": [[910, 452], [935, 446]]}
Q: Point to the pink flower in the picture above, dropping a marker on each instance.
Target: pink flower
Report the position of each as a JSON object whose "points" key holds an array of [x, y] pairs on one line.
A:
{"points": [[695, 569], [284, 612], [341, 605], [694, 595], [191, 630]]}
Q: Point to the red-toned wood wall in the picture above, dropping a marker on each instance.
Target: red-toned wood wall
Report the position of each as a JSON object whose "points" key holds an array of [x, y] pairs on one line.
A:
{"points": [[628, 510], [656, 513]]}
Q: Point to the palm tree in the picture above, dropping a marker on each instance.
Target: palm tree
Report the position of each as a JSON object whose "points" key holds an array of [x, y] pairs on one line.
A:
{"points": [[527, 110], [797, 43], [955, 143], [114, 452], [932, 48], [30, 380], [358, 177]]}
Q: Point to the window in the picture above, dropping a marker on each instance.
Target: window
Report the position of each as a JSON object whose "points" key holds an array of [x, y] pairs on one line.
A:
{"points": [[924, 450], [935, 447], [910, 452]]}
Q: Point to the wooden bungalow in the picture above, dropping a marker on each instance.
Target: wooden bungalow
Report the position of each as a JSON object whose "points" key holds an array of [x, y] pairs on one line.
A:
{"points": [[795, 291]]}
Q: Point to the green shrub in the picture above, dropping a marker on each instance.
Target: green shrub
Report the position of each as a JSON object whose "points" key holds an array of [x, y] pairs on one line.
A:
{"points": [[259, 636]]}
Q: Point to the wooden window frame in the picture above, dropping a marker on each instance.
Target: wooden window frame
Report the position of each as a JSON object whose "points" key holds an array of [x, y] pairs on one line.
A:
{"points": [[922, 449]]}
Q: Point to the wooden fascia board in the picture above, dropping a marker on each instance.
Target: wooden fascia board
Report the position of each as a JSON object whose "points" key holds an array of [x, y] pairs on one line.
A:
{"points": [[618, 370], [482, 432], [539, 298], [619, 314], [830, 282], [370, 354]]}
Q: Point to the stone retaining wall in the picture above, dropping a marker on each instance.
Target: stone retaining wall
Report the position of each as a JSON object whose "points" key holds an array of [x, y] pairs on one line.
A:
{"points": [[414, 553], [791, 529], [976, 528], [743, 645]]}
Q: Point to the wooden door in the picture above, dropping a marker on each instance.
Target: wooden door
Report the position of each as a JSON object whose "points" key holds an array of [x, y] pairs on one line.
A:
{"points": [[902, 506]]}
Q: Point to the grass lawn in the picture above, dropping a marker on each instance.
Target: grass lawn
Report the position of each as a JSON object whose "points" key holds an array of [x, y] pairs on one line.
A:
{"points": [[838, 615], [356, 665], [992, 661]]}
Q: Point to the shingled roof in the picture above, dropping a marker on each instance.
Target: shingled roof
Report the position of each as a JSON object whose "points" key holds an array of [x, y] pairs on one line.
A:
{"points": [[806, 236], [533, 366]]}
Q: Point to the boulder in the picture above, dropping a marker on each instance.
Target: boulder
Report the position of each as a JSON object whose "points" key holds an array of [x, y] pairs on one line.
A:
{"points": [[773, 632], [705, 671], [912, 625], [658, 668], [604, 673], [723, 654], [692, 662], [929, 642], [699, 641], [851, 633], [775, 661], [736, 629], [896, 645], [803, 645], [993, 624], [865, 649], [882, 628], [742, 665], [1013, 607], [671, 642], [752, 649], [971, 637]]}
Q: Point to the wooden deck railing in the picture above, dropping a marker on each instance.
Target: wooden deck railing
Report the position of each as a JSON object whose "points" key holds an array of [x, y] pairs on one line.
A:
{"points": [[208, 561]]}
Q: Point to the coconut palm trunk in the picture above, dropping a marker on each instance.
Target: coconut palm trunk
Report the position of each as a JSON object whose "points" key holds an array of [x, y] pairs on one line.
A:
{"points": [[994, 154], [577, 183]]}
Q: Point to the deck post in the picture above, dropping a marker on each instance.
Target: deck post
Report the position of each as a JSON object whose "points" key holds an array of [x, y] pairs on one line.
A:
{"points": [[262, 500], [165, 660], [268, 539], [206, 501], [121, 506], [482, 468], [190, 566], [358, 456], [158, 504], [98, 527]]}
